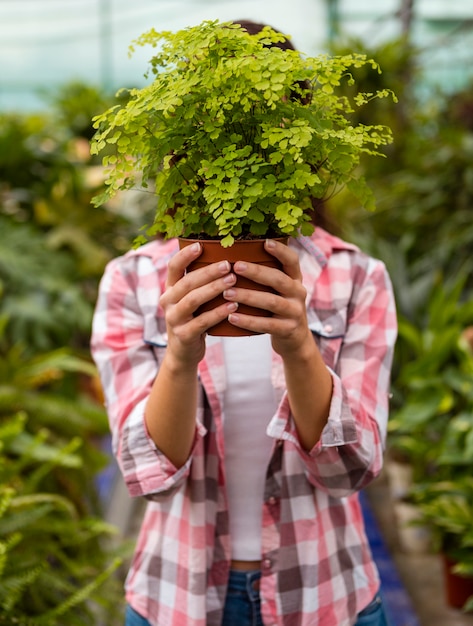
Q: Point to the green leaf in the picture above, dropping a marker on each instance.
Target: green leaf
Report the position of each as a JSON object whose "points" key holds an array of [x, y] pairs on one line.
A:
{"points": [[222, 103]]}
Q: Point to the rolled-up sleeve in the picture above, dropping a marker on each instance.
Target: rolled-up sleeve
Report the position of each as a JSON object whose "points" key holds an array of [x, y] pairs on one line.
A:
{"points": [[350, 451], [128, 365]]}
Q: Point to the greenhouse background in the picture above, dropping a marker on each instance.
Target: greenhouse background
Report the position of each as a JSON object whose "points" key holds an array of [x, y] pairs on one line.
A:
{"points": [[46, 42], [66, 523]]}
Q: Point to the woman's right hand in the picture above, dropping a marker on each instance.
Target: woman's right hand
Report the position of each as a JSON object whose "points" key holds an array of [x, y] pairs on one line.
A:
{"points": [[173, 399], [184, 293]]}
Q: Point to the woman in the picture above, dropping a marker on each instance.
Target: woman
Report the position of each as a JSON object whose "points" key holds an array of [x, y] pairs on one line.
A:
{"points": [[251, 451]]}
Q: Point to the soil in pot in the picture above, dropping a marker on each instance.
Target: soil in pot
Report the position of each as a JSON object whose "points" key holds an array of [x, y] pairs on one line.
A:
{"points": [[251, 250]]}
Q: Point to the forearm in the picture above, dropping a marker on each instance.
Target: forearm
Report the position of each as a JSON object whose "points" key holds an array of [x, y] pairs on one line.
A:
{"points": [[171, 409], [170, 412], [309, 388]]}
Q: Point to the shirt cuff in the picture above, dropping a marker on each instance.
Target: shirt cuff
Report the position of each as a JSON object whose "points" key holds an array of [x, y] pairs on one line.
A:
{"points": [[340, 428], [145, 468]]}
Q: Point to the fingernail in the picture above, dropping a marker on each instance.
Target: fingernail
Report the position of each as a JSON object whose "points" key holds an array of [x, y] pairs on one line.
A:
{"points": [[270, 243], [241, 266], [224, 266], [229, 279], [196, 247], [229, 293]]}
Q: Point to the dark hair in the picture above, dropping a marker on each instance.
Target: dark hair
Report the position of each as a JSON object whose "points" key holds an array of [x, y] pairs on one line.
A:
{"points": [[319, 215], [254, 27]]}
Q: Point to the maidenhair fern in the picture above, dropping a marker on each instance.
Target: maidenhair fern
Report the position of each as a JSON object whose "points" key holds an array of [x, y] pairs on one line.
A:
{"points": [[235, 135]]}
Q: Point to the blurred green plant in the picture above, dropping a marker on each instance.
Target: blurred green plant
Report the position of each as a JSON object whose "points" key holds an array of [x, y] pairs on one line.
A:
{"points": [[57, 556], [447, 506], [48, 178], [76, 103], [40, 290], [55, 551], [431, 427], [52, 568], [398, 59], [423, 231], [432, 422]]}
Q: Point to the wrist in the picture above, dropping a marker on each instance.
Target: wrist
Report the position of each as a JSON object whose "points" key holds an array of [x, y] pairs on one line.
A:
{"points": [[179, 365], [301, 349]]}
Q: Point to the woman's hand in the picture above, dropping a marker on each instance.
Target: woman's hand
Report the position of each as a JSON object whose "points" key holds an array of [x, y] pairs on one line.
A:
{"points": [[288, 324], [172, 404], [308, 381], [184, 293]]}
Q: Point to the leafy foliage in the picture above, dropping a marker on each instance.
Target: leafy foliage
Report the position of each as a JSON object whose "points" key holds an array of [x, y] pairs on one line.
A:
{"points": [[75, 104], [40, 292], [433, 422], [47, 179], [236, 135], [432, 426], [57, 556], [50, 567], [53, 555], [422, 229], [447, 506]]}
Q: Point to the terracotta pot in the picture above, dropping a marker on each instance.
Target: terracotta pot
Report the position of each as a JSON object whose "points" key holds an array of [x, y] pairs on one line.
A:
{"points": [[251, 250], [457, 588]]}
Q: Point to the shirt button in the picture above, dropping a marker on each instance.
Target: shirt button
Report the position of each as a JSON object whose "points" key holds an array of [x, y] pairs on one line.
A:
{"points": [[272, 501], [328, 328], [266, 563]]}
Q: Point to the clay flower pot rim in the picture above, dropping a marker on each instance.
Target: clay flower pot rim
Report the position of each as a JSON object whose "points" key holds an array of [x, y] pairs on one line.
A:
{"points": [[243, 239], [251, 250]]}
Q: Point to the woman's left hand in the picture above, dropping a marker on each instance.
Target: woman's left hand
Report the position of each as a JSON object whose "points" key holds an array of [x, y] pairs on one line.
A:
{"points": [[308, 381], [288, 324]]}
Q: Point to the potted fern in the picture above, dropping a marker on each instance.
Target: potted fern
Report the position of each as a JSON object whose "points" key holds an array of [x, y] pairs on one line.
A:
{"points": [[447, 506], [235, 135]]}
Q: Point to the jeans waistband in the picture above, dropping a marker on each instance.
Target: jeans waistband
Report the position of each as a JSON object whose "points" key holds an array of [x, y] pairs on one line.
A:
{"points": [[246, 582]]}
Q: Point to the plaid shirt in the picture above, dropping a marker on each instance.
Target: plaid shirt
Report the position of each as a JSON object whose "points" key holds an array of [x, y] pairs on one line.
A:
{"points": [[317, 568]]}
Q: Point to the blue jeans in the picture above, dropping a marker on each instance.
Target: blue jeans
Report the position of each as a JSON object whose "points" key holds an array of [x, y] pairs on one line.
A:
{"points": [[242, 607], [132, 618], [374, 614]]}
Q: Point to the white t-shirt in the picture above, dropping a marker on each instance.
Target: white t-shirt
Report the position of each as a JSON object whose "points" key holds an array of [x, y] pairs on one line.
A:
{"points": [[249, 405]]}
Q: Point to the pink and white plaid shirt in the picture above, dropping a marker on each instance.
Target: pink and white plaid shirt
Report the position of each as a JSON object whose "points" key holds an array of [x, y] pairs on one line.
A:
{"points": [[317, 568]]}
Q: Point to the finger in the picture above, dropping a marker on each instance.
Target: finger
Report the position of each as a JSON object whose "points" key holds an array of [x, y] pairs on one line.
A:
{"points": [[261, 325], [281, 280], [199, 278], [288, 257], [187, 304], [263, 275], [276, 304], [277, 280], [179, 263], [200, 324]]}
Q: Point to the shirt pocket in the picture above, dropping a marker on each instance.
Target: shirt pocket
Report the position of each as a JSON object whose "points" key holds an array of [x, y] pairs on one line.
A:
{"points": [[328, 328]]}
